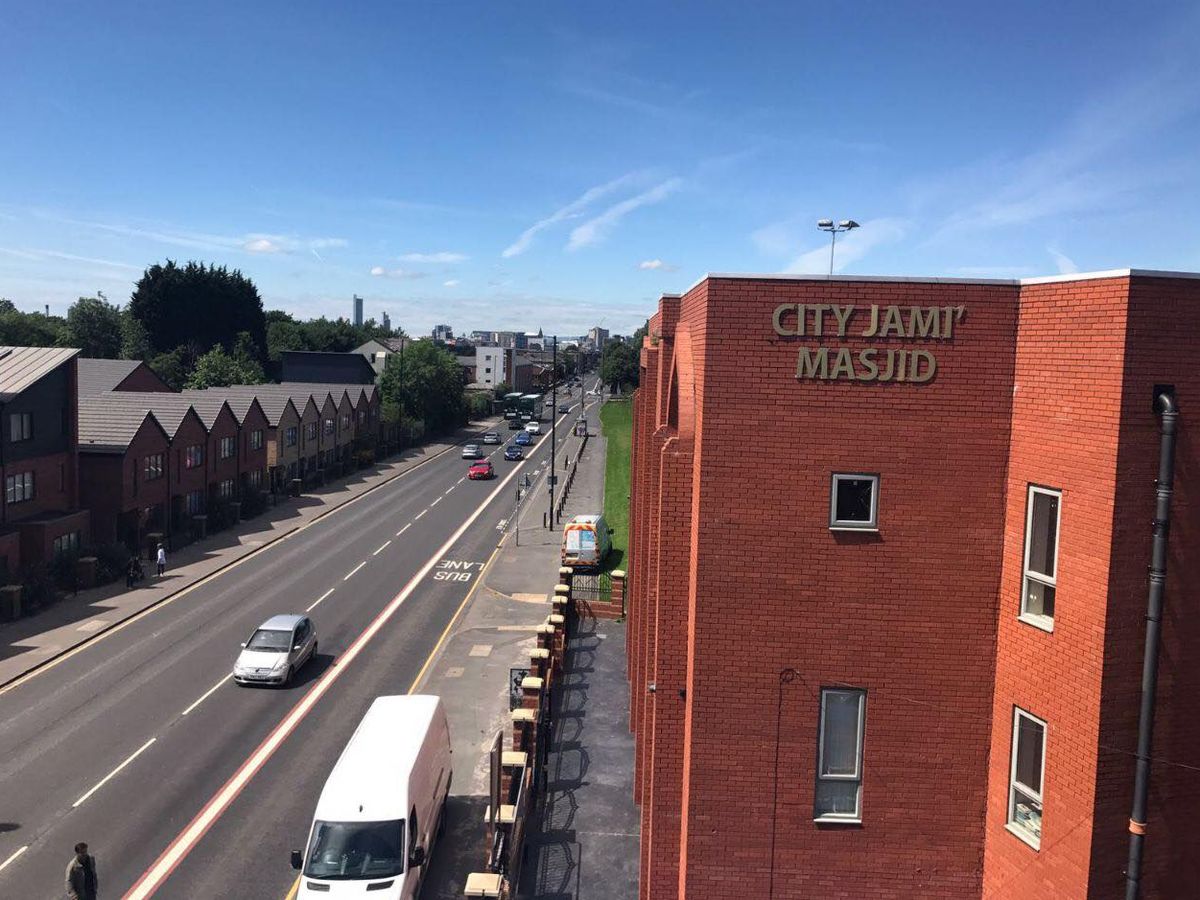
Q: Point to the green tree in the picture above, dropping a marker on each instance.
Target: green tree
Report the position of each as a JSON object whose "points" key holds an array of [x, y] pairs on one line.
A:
{"points": [[202, 304], [94, 326], [619, 365], [135, 343], [216, 368], [21, 329], [426, 385], [501, 389], [175, 366]]}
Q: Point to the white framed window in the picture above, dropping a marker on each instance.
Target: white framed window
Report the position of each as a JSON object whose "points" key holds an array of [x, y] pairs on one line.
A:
{"points": [[256, 439], [854, 502], [1025, 777], [840, 755], [18, 488], [290, 434], [225, 489], [228, 447], [20, 426], [1040, 580]]}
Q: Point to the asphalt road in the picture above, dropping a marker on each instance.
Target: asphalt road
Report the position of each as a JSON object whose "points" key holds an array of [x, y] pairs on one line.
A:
{"points": [[126, 744]]}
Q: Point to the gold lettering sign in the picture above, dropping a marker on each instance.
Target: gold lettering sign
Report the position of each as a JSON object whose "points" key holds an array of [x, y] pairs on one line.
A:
{"points": [[871, 363]]}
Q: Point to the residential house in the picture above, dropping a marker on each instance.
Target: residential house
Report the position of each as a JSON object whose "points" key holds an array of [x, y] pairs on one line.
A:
{"points": [[325, 368], [99, 375]]}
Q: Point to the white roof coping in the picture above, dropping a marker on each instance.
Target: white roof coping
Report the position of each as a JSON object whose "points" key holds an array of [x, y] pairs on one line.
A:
{"points": [[930, 279]]}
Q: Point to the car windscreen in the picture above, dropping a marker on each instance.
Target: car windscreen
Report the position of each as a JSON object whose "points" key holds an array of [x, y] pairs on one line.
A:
{"points": [[340, 851], [277, 641]]}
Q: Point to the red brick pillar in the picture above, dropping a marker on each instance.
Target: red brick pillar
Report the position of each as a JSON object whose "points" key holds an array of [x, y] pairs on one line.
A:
{"points": [[617, 599]]}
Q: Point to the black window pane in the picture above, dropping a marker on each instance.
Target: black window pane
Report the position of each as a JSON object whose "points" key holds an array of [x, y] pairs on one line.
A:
{"points": [[854, 499]]}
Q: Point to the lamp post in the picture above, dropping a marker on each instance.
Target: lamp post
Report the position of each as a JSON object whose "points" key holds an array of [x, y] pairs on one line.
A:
{"points": [[834, 231]]}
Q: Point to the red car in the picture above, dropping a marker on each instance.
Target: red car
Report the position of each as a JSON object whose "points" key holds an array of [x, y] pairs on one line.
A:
{"points": [[481, 469]]}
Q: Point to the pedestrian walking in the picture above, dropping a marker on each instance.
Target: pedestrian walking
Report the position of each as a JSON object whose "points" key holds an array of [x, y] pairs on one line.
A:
{"points": [[82, 882], [131, 573], [162, 560]]}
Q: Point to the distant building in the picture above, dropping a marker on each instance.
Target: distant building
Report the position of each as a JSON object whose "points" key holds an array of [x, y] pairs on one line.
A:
{"points": [[387, 321], [443, 333], [327, 368], [596, 337], [358, 311], [500, 365]]}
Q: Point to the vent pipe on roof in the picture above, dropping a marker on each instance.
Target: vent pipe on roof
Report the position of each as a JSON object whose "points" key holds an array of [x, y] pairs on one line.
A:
{"points": [[1168, 412]]}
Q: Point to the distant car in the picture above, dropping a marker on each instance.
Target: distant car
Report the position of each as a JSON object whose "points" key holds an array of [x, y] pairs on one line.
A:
{"points": [[533, 428], [549, 402], [563, 408], [524, 439], [491, 438], [512, 452], [480, 470], [276, 650], [471, 451], [514, 424]]}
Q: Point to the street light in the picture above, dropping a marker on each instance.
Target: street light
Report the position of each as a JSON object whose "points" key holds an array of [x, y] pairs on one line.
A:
{"points": [[834, 231]]}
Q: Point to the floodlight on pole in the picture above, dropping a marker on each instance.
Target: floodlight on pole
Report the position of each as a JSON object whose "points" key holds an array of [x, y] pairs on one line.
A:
{"points": [[834, 231]]}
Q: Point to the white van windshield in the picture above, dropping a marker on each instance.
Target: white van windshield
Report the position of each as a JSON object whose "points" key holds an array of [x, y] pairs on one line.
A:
{"points": [[346, 850]]}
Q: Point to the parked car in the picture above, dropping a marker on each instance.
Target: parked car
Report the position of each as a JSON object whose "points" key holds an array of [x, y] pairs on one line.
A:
{"points": [[383, 805], [533, 428], [563, 408], [513, 453], [524, 439], [471, 451], [481, 470], [586, 541], [491, 438], [276, 650]]}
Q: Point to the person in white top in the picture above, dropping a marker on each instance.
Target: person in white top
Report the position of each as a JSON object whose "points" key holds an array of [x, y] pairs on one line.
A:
{"points": [[162, 560]]}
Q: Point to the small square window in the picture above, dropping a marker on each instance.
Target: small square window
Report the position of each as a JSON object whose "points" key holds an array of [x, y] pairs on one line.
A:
{"points": [[854, 502]]}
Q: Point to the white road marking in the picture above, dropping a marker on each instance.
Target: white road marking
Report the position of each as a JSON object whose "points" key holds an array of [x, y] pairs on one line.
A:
{"points": [[461, 480], [435, 502], [502, 524], [421, 513], [355, 569], [103, 781], [205, 695], [4, 864], [404, 529], [319, 599], [382, 547], [185, 840], [452, 487]]}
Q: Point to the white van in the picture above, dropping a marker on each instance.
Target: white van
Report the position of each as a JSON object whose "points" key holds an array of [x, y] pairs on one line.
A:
{"points": [[382, 806], [586, 541]]}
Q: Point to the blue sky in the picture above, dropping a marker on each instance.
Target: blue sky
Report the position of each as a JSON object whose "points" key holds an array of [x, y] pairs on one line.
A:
{"points": [[560, 164]]}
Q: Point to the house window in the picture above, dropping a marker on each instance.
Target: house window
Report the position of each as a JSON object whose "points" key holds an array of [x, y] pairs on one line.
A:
{"points": [[839, 755], [854, 502], [228, 447], [66, 544], [194, 501], [193, 456], [153, 466], [254, 478], [362, 416], [225, 489], [256, 439], [1041, 557], [20, 426], [346, 422], [329, 426], [310, 430], [290, 435], [1025, 777], [19, 488]]}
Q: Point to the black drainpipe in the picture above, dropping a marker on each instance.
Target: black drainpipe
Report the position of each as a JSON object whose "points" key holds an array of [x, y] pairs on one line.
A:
{"points": [[1164, 406]]}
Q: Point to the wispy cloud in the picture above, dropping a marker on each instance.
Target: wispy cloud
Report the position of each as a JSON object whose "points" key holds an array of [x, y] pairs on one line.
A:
{"points": [[404, 274], [443, 256], [655, 264], [597, 229], [42, 255], [992, 271], [453, 282], [1066, 265], [572, 210], [850, 248]]}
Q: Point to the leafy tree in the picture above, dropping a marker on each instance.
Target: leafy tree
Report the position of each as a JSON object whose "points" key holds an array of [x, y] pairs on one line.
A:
{"points": [[426, 385], [203, 304], [501, 389], [135, 343], [619, 364], [21, 329], [174, 366], [94, 326], [216, 368], [636, 340]]}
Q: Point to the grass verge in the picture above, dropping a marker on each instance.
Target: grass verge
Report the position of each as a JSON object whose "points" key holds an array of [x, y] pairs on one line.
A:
{"points": [[616, 424]]}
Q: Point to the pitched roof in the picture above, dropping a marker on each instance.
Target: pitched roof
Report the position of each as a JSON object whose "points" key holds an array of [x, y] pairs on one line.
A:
{"points": [[109, 428], [21, 367], [169, 409], [99, 375], [241, 396]]}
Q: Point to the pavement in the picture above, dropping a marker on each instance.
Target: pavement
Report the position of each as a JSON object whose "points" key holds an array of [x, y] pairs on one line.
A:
{"points": [[187, 785], [586, 845]]}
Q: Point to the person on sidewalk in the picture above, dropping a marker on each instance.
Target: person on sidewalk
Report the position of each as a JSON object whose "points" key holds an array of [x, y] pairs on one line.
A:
{"points": [[131, 573], [82, 883], [162, 560]]}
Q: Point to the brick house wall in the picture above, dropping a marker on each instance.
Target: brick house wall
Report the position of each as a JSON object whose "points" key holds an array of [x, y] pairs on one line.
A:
{"points": [[52, 453], [142, 378], [184, 481], [249, 459], [309, 447], [223, 469]]}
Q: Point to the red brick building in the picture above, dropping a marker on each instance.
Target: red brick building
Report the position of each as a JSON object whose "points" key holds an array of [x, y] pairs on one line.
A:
{"points": [[888, 593]]}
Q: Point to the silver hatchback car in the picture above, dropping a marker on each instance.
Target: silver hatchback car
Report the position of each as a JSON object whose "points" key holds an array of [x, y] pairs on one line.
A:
{"points": [[276, 651]]}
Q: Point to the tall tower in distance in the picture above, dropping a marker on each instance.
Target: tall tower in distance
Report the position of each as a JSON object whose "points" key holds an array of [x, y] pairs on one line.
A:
{"points": [[357, 318], [387, 321]]}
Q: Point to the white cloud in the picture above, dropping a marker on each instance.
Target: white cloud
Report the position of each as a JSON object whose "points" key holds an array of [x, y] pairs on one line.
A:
{"points": [[652, 264], [381, 272], [261, 245], [571, 211], [1066, 265], [851, 247], [595, 230], [441, 257], [36, 254], [453, 282]]}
